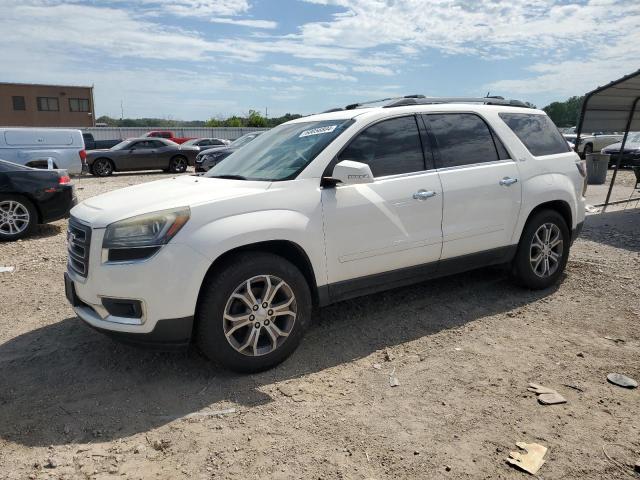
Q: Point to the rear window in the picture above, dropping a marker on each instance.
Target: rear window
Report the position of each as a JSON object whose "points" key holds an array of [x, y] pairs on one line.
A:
{"points": [[538, 133]]}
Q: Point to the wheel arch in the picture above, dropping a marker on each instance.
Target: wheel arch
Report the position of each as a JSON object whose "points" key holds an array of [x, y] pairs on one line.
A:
{"points": [[110, 160], [30, 199], [286, 249], [560, 206]]}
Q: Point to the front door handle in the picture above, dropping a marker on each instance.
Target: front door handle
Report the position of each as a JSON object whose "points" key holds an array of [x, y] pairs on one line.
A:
{"points": [[508, 181], [423, 194]]}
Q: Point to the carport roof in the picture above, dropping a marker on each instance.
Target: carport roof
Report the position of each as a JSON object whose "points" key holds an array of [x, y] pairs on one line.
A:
{"points": [[608, 108]]}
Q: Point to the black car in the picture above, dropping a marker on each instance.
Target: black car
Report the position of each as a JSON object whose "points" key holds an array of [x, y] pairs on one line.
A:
{"points": [[141, 154], [206, 143], [29, 196], [631, 154], [210, 158]]}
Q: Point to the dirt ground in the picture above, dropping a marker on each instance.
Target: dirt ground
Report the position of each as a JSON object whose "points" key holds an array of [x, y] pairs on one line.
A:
{"points": [[75, 404]]}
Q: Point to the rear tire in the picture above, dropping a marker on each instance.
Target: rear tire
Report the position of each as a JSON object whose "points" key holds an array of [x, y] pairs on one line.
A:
{"points": [[102, 167], [233, 325], [178, 164], [543, 251], [18, 217]]}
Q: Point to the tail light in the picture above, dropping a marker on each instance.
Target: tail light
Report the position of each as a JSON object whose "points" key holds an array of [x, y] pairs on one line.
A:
{"points": [[83, 155], [64, 180]]}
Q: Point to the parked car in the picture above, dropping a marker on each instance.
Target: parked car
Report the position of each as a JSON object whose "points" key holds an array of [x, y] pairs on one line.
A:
{"points": [[208, 158], [141, 154], [206, 143], [29, 196], [167, 134], [92, 144], [320, 209], [593, 142], [33, 147], [631, 154]]}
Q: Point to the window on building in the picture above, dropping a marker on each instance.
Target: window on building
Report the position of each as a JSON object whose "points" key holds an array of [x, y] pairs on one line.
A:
{"points": [[48, 104], [18, 103], [78, 104]]}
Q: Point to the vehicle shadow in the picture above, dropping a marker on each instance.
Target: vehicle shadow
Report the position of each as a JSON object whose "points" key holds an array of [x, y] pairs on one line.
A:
{"points": [[65, 383], [44, 231], [617, 228]]}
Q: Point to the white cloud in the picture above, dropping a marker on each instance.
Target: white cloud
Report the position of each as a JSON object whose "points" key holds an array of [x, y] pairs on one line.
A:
{"points": [[333, 66], [268, 24], [377, 70], [298, 71]]}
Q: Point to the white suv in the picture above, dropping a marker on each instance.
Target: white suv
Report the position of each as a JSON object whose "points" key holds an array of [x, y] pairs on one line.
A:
{"points": [[320, 209]]}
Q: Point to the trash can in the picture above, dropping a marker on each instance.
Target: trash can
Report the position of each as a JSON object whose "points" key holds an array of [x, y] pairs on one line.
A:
{"points": [[597, 166]]}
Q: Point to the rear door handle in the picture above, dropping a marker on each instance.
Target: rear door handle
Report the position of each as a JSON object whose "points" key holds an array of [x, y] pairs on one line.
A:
{"points": [[423, 194], [508, 181]]}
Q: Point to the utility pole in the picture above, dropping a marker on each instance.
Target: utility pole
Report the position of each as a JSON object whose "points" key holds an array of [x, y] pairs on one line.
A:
{"points": [[121, 110], [266, 112]]}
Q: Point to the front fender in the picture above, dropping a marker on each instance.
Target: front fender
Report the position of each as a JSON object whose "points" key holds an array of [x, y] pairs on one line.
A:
{"points": [[225, 234]]}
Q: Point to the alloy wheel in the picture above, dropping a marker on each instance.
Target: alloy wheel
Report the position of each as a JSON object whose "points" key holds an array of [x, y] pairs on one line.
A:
{"points": [[179, 165], [545, 252], [102, 168], [14, 217], [259, 315]]}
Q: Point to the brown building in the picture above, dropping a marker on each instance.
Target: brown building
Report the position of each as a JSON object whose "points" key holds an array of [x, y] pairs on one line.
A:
{"points": [[32, 105]]}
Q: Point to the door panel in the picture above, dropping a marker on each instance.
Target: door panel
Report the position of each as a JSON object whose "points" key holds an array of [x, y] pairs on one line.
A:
{"points": [[482, 191], [479, 213], [379, 227]]}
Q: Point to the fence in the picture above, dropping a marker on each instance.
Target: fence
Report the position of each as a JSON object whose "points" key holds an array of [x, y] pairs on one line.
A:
{"points": [[111, 133]]}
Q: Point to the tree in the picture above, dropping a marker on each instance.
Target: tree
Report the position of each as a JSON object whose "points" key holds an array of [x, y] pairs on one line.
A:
{"points": [[565, 114], [256, 120]]}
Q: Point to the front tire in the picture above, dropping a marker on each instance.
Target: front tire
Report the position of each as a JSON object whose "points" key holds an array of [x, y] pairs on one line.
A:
{"points": [[102, 167], [543, 251], [253, 312], [18, 217], [178, 164]]}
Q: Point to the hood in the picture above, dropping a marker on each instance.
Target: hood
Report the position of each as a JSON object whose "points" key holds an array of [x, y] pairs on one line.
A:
{"points": [[615, 147], [214, 149], [97, 151], [181, 191]]}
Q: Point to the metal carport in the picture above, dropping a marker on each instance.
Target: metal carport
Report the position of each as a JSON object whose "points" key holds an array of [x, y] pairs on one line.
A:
{"points": [[612, 108]]}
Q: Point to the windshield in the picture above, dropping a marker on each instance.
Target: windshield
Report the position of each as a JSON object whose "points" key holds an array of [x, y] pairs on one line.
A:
{"points": [[122, 145], [281, 153], [192, 141], [243, 140], [11, 167], [634, 137]]}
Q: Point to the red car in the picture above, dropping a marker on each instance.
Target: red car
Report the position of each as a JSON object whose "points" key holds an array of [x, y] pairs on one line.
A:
{"points": [[168, 134]]}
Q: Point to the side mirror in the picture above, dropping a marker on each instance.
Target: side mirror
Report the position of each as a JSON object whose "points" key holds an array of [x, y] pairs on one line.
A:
{"points": [[351, 173]]}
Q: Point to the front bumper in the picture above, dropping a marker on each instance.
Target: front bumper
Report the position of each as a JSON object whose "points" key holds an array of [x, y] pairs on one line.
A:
{"points": [[166, 286]]}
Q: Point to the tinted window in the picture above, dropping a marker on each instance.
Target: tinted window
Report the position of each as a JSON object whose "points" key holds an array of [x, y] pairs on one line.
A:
{"points": [[78, 104], [389, 147], [157, 144], [48, 104], [18, 103], [537, 132], [462, 139], [143, 144]]}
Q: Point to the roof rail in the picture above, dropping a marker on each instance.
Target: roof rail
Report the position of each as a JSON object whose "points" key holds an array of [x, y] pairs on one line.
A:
{"points": [[423, 100], [437, 100]]}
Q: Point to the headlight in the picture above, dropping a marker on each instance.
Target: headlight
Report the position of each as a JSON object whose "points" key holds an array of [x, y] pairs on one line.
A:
{"points": [[148, 230]]}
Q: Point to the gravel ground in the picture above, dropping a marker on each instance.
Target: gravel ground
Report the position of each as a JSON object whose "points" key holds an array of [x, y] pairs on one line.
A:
{"points": [[75, 404]]}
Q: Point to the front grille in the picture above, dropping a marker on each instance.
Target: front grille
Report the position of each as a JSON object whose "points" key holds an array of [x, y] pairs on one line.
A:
{"points": [[78, 244]]}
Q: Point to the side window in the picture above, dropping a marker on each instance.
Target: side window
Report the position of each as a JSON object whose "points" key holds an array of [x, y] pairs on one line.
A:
{"points": [[390, 147], [462, 139], [157, 144], [538, 133]]}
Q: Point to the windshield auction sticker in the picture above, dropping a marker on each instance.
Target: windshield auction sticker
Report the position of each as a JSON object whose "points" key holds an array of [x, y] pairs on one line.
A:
{"points": [[318, 131]]}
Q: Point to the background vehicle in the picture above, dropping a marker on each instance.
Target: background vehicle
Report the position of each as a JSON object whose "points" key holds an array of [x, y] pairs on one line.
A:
{"points": [[92, 144], [34, 146], [631, 154], [141, 154], [168, 134], [208, 158], [594, 142], [206, 143], [29, 196], [324, 208]]}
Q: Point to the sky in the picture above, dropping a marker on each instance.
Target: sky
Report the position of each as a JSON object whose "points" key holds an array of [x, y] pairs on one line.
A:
{"points": [[197, 59]]}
